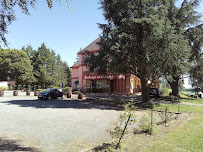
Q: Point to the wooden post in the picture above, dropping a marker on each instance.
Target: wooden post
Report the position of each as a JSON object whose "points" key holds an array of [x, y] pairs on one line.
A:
{"points": [[123, 131], [151, 118], [165, 115]]}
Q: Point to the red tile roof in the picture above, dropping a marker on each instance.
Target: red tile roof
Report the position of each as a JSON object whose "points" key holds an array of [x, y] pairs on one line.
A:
{"points": [[92, 46], [75, 65]]}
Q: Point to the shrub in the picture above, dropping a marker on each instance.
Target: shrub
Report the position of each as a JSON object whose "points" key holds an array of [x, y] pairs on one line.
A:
{"points": [[97, 90], [10, 87], [53, 87], [3, 88], [67, 89], [40, 90], [164, 92], [169, 91], [145, 124]]}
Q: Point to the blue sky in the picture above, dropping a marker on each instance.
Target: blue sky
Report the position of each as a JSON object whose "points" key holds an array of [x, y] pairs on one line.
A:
{"points": [[62, 29]]}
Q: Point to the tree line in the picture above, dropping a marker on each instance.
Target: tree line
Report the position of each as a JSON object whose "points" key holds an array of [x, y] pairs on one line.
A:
{"points": [[150, 39], [39, 68]]}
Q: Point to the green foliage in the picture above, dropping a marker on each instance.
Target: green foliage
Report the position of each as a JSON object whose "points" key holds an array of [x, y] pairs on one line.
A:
{"points": [[169, 91], [182, 20], [121, 122], [53, 87], [3, 88], [67, 89], [164, 92], [145, 124], [11, 87], [40, 90], [16, 65], [164, 114], [97, 90], [140, 38], [49, 69], [196, 74]]}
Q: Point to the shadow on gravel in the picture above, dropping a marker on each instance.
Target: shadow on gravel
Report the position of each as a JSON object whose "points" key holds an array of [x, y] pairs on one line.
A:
{"points": [[11, 145], [77, 104]]}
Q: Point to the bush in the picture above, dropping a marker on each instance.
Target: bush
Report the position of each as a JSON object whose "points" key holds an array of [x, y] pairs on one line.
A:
{"points": [[164, 92], [40, 90], [53, 87], [3, 88], [97, 90], [11, 87], [67, 89]]}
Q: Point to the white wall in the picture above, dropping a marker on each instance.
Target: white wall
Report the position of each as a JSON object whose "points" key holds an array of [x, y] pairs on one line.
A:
{"points": [[3, 84]]}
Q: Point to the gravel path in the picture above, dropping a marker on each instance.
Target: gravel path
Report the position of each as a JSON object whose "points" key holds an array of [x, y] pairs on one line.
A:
{"points": [[56, 125]]}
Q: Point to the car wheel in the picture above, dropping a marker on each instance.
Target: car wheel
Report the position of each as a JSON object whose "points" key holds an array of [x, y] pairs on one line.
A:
{"points": [[49, 98]]}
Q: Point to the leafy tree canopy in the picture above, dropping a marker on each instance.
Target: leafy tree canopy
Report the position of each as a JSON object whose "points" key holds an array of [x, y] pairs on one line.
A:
{"points": [[7, 12], [15, 64], [145, 38], [49, 69]]}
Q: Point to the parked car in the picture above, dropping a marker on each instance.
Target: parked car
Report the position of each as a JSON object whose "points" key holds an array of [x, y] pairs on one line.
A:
{"points": [[154, 92], [51, 93]]}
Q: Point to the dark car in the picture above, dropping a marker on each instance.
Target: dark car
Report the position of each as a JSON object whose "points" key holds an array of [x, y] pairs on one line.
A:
{"points": [[154, 92], [51, 93]]}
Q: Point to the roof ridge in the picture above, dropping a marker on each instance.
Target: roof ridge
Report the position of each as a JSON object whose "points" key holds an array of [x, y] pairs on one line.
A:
{"points": [[92, 46]]}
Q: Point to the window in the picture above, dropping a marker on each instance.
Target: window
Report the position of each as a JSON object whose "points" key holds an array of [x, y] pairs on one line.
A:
{"points": [[99, 84], [76, 84]]}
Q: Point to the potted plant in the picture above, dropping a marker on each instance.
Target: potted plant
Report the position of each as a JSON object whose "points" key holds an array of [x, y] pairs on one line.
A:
{"points": [[69, 94], [67, 91], [28, 92], [1, 92], [80, 95], [36, 93], [15, 93]]}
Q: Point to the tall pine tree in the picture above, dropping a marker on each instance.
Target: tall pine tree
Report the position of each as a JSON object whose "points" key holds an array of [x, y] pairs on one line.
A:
{"points": [[132, 40], [182, 20]]}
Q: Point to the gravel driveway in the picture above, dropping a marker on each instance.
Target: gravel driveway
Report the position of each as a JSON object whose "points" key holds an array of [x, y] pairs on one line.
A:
{"points": [[28, 124]]}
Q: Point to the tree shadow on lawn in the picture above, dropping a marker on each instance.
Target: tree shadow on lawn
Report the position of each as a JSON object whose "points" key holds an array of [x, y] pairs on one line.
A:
{"points": [[12, 145], [76, 104]]}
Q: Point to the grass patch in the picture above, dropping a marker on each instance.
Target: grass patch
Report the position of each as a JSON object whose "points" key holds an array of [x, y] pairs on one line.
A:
{"points": [[186, 98], [183, 98], [186, 138], [182, 108]]}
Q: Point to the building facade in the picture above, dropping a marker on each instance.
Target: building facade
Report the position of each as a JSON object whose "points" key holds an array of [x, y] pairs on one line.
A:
{"points": [[83, 79]]}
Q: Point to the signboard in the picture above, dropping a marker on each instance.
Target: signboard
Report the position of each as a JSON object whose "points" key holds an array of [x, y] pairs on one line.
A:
{"points": [[99, 77]]}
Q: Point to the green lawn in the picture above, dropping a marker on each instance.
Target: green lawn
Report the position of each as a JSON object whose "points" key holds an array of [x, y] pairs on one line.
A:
{"points": [[187, 138], [182, 108], [191, 100], [183, 135]]}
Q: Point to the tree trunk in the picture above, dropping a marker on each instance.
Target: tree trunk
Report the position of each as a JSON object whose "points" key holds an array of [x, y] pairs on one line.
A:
{"points": [[145, 90], [16, 86], [174, 86]]}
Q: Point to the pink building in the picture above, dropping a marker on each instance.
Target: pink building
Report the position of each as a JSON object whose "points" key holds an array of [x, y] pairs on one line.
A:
{"points": [[116, 83]]}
